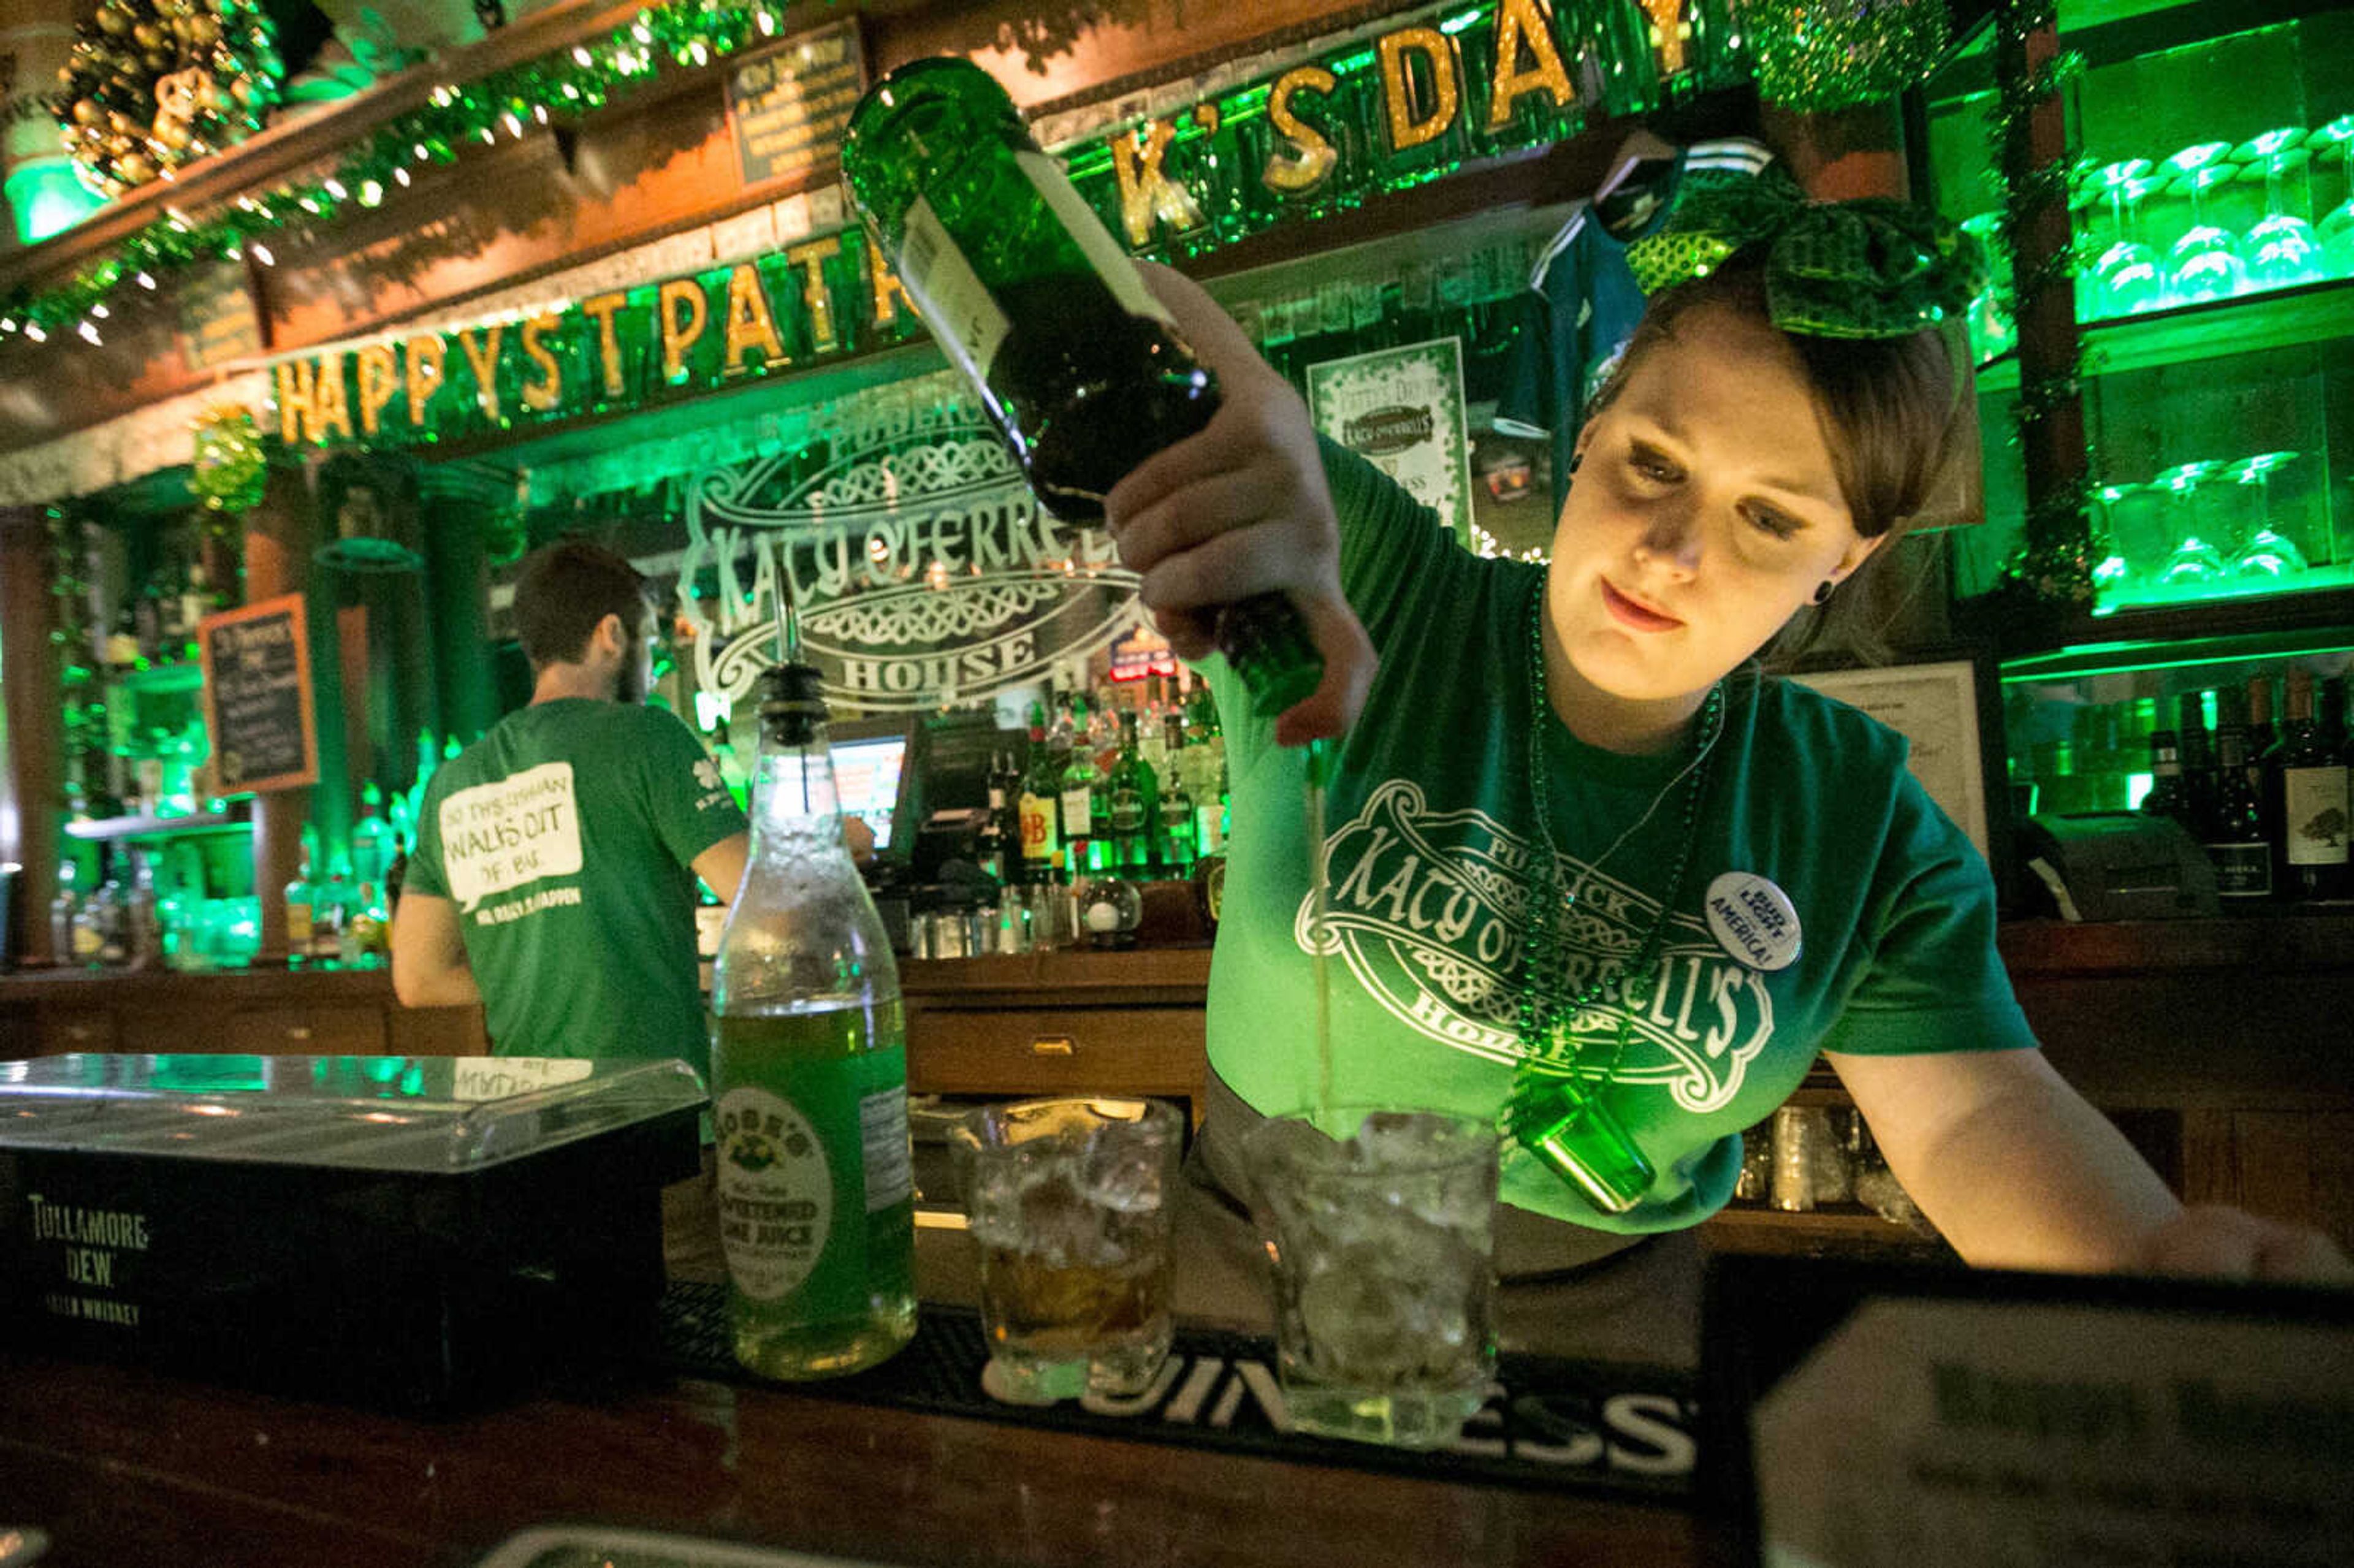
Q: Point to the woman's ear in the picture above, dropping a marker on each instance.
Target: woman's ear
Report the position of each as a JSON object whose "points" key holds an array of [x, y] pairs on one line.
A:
{"points": [[1857, 553]]}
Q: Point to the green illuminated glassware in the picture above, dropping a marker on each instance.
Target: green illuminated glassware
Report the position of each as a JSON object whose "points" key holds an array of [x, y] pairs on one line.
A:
{"points": [[2125, 276], [2267, 553], [2111, 572], [2336, 231], [2282, 249], [2205, 262], [1080, 368], [2194, 563]]}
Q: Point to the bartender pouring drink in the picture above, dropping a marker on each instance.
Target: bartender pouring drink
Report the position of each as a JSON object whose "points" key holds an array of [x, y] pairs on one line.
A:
{"points": [[1594, 874]]}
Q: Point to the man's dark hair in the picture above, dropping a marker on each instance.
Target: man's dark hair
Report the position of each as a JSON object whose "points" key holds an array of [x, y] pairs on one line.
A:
{"points": [[566, 591]]}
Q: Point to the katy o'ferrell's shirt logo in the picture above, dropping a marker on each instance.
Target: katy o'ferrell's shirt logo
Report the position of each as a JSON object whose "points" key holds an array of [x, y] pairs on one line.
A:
{"points": [[1428, 910]]}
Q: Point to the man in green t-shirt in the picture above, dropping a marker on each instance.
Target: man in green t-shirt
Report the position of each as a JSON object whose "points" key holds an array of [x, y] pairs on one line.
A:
{"points": [[556, 862]]}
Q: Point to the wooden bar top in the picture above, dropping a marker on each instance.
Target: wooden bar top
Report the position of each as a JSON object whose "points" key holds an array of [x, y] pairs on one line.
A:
{"points": [[122, 1466]]}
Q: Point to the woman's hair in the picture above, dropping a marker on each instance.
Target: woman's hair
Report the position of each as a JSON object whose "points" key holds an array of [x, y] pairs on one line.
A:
{"points": [[1897, 415], [566, 591]]}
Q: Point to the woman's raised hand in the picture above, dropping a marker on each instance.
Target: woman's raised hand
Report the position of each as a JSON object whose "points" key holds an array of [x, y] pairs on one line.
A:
{"points": [[1241, 508]]}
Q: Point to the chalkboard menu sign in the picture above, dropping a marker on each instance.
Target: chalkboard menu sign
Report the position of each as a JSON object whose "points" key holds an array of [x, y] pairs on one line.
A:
{"points": [[218, 322], [790, 105], [257, 664]]}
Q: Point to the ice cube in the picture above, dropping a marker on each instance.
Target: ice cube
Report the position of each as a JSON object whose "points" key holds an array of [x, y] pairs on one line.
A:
{"points": [[1121, 1171], [1388, 1140], [1371, 1319], [1057, 1226]]}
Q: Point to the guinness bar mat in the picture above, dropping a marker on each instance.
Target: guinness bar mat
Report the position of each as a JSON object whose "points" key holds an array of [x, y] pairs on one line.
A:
{"points": [[1552, 1424]]}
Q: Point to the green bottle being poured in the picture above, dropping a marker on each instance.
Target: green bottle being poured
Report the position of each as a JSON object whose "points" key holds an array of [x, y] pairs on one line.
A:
{"points": [[1081, 369]]}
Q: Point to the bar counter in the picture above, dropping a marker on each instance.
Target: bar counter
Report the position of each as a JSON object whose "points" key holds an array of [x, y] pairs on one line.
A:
{"points": [[125, 1467]]}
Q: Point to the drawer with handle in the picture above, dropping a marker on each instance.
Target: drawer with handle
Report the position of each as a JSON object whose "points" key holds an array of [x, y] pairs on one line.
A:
{"points": [[1055, 1050]]}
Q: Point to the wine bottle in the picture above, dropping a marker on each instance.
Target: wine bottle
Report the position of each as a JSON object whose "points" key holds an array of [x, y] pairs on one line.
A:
{"points": [[1080, 368]]}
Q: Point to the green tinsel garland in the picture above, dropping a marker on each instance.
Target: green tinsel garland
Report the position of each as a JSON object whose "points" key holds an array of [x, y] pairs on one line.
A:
{"points": [[230, 469], [674, 35], [2054, 565], [1822, 56]]}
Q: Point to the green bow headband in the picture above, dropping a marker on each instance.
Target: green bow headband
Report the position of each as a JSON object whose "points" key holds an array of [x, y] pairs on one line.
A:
{"points": [[1870, 268]]}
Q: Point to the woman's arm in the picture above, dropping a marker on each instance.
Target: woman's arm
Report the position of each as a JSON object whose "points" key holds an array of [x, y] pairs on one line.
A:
{"points": [[1242, 508], [2018, 1171]]}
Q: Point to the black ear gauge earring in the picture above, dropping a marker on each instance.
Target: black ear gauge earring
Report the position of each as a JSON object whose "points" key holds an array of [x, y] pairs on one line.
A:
{"points": [[1823, 589]]}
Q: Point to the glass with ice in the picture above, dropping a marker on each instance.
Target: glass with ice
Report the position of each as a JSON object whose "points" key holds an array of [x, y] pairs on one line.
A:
{"points": [[1070, 1202], [1380, 1224]]}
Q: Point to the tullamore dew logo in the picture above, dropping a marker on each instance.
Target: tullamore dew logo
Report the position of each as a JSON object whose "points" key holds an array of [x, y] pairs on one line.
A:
{"points": [[923, 572], [1428, 910]]}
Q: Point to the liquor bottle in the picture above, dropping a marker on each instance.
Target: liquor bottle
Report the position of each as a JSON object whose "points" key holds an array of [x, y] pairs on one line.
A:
{"points": [[1081, 369], [196, 602], [64, 911], [2306, 803], [300, 898], [1134, 795], [332, 905], [103, 938], [2197, 752], [1076, 790], [809, 1069], [2234, 832], [2261, 735], [142, 923], [991, 842], [371, 837], [1180, 834], [2168, 796], [123, 643], [1039, 804]]}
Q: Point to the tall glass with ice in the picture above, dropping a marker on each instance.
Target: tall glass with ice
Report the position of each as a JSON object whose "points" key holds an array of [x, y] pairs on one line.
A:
{"points": [[1380, 1224], [1070, 1201]]}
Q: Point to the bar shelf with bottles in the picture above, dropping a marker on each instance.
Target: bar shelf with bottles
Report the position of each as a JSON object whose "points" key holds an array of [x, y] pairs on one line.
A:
{"points": [[1111, 796], [2244, 741]]}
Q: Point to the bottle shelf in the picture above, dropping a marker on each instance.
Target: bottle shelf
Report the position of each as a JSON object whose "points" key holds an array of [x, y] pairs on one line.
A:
{"points": [[107, 830]]}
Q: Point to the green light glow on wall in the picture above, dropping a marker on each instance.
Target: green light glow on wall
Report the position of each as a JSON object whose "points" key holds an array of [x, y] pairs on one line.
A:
{"points": [[45, 198]]}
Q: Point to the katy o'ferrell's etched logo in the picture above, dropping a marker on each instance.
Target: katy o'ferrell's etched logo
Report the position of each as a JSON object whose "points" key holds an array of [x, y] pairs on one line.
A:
{"points": [[1427, 912], [923, 571]]}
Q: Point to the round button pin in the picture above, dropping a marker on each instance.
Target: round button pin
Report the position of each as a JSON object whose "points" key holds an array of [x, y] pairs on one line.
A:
{"points": [[1753, 920]]}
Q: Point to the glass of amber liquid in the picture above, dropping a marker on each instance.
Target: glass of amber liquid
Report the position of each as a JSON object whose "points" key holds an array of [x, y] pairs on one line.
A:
{"points": [[1070, 1202]]}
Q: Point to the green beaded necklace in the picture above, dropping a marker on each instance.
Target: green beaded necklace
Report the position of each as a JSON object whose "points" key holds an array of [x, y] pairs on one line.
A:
{"points": [[1555, 1111]]}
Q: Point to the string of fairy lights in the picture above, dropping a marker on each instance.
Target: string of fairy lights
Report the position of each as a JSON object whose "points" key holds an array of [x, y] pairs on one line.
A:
{"points": [[677, 35]]}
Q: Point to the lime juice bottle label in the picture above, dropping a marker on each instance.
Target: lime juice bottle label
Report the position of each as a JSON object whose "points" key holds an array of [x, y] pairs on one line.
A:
{"points": [[808, 1157]]}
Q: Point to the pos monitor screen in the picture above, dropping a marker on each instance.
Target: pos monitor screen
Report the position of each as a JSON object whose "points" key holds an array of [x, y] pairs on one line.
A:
{"points": [[874, 770]]}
